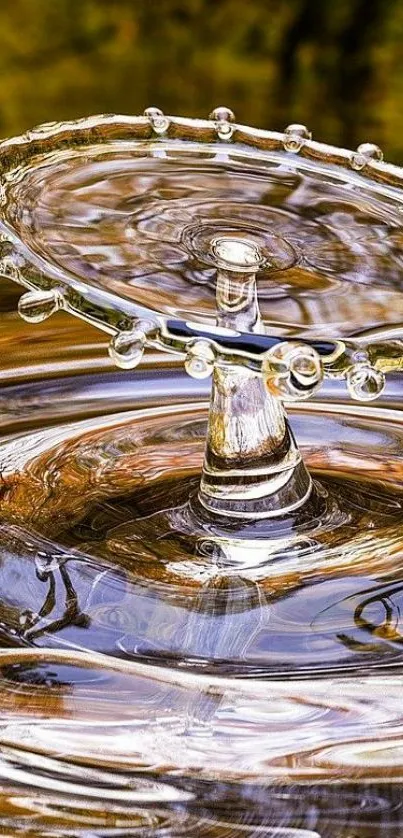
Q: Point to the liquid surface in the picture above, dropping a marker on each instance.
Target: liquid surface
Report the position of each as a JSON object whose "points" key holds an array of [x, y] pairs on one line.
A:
{"points": [[161, 674], [140, 224], [150, 683]]}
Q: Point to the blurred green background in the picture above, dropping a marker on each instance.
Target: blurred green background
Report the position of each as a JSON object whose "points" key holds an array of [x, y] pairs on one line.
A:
{"points": [[335, 65]]}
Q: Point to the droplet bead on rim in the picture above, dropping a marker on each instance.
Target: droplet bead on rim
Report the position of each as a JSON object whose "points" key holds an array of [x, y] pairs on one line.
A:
{"points": [[292, 371], [157, 119], [365, 383], [127, 347], [223, 119], [37, 306], [200, 358], [366, 153], [295, 137]]}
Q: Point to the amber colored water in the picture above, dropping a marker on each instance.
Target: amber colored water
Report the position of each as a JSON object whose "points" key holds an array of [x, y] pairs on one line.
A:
{"points": [[161, 673], [163, 696], [139, 224]]}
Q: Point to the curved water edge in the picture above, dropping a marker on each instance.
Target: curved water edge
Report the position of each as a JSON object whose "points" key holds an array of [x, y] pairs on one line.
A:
{"points": [[102, 721], [132, 223], [147, 747], [126, 670], [162, 671]]}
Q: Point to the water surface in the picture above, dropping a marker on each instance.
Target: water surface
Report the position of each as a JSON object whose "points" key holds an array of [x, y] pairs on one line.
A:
{"points": [[161, 674]]}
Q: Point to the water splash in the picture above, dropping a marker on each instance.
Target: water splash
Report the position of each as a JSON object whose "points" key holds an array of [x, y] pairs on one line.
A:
{"points": [[161, 673], [141, 228]]}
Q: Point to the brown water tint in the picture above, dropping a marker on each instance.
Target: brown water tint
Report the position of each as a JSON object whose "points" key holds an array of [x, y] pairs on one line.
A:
{"points": [[98, 740], [162, 673], [139, 223]]}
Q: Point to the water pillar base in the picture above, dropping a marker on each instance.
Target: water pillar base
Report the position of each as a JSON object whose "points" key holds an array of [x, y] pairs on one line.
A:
{"points": [[252, 466]]}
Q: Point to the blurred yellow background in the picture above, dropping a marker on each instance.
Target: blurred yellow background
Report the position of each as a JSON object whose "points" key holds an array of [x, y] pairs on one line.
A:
{"points": [[335, 65]]}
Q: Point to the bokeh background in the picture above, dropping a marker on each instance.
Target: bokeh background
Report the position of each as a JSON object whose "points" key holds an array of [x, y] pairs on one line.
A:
{"points": [[335, 65]]}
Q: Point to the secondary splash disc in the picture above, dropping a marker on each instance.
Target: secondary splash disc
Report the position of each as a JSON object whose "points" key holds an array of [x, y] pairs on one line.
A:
{"points": [[111, 209]]}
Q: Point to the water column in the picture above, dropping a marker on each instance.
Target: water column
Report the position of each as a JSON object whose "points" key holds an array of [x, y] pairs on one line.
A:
{"points": [[252, 467]]}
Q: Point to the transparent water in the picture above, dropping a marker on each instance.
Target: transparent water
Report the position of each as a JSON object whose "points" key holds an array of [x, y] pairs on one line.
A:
{"points": [[154, 680], [140, 225]]}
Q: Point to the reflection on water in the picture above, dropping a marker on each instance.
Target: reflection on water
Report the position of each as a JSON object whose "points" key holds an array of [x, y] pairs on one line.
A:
{"points": [[161, 674], [140, 223], [98, 740]]}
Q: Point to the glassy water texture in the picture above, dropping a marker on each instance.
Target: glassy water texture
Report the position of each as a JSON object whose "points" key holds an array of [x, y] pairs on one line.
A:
{"points": [[141, 227], [154, 678], [107, 743]]}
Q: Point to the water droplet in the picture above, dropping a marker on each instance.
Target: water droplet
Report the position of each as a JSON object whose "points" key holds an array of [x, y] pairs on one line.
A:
{"points": [[127, 348], [295, 137], [364, 154], [158, 120], [200, 359], [223, 118], [292, 371], [306, 368], [37, 306], [365, 383], [236, 254]]}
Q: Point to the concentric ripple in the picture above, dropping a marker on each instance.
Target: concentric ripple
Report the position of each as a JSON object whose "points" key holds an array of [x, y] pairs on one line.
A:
{"points": [[93, 735], [161, 674], [140, 224], [102, 547]]}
